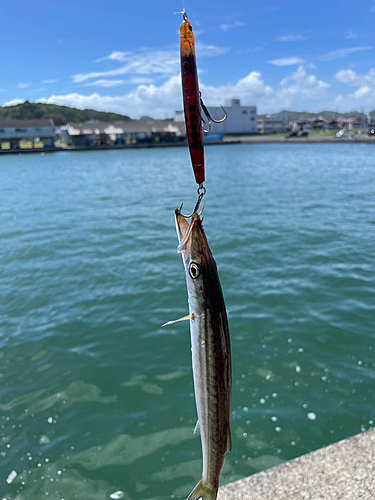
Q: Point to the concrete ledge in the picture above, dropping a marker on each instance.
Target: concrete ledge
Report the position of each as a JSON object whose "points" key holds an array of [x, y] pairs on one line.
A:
{"points": [[341, 471]]}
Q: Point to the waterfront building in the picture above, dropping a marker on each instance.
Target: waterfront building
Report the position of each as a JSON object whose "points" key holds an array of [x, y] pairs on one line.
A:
{"points": [[117, 133], [371, 119], [273, 124], [15, 131], [240, 119]]}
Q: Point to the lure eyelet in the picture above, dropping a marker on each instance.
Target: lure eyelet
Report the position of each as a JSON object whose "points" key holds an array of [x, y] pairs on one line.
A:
{"points": [[194, 270]]}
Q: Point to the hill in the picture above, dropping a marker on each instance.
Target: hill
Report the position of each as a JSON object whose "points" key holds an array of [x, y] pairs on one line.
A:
{"points": [[60, 114], [328, 115]]}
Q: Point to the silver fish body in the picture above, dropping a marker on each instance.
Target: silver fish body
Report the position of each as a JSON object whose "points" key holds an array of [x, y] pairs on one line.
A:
{"points": [[211, 356]]}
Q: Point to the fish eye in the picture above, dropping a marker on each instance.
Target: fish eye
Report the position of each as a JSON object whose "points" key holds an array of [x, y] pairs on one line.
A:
{"points": [[194, 270]]}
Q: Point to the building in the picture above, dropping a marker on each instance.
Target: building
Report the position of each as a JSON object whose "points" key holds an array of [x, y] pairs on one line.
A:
{"points": [[356, 122], [15, 131], [273, 124], [129, 132], [240, 119]]}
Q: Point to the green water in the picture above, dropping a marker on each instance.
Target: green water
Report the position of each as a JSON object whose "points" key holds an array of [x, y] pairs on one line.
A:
{"points": [[95, 397]]}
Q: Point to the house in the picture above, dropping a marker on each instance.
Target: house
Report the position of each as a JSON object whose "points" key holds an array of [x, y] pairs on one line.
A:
{"points": [[356, 122], [240, 119], [15, 131], [319, 123], [273, 124], [129, 132], [333, 125]]}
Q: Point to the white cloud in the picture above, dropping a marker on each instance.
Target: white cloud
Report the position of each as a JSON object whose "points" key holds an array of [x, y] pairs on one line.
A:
{"points": [[162, 62], [336, 54], [289, 61], [105, 83], [365, 84], [49, 81], [13, 102], [349, 77], [346, 76], [227, 27], [363, 92], [116, 56], [210, 50], [147, 62], [250, 89], [145, 99], [299, 90], [24, 85], [350, 35], [115, 83], [301, 87], [292, 38]]}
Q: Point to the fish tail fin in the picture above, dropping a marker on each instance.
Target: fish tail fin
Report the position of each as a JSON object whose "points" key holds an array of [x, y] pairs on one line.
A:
{"points": [[203, 492]]}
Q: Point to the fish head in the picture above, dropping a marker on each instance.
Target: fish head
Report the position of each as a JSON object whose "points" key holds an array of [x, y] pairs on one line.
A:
{"points": [[200, 267]]}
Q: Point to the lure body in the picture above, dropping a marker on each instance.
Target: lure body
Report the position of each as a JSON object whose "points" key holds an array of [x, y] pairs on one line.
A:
{"points": [[191, 98]]}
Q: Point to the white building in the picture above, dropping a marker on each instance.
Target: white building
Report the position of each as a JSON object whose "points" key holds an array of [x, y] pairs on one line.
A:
{"points": [[240, 119], [14, 131], [273, 124], [129, 132]]}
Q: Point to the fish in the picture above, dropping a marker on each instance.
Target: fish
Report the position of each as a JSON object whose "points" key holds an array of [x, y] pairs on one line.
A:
{"points": [[211, 352]]}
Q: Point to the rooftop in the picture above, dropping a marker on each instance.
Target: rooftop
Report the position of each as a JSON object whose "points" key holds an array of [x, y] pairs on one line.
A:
{"points": [[26, 123]]}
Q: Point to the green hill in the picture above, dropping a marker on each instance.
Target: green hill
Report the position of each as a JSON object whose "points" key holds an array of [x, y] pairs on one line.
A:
{"points": [[60, 114], [328, 115]]}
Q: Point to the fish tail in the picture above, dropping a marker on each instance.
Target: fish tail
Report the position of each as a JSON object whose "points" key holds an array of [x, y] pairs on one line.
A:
{"points": [[203, 492]]}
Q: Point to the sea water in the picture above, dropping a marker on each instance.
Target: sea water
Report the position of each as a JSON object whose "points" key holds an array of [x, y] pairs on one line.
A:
{"points": [[96, 399]]}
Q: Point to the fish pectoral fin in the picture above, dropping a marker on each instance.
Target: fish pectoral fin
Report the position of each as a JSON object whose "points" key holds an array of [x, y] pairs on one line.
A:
{"points": [[197, 429], [185, 318], [203, 492], [229, 440]]}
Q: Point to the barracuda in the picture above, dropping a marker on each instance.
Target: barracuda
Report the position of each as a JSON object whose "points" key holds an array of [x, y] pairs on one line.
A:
{"points": [[211, 356]]}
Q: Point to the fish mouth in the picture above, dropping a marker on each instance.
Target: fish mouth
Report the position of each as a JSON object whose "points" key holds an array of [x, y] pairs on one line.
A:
{"points": [[182, 225], [186, 233]]}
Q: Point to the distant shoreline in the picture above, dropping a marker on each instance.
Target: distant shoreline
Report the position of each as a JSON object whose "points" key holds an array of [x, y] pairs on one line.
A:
{"points": [[251, 139], [314, 139]]}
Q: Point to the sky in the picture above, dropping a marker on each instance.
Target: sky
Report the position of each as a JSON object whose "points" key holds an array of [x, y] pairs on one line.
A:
{"points": [[123, 56]]}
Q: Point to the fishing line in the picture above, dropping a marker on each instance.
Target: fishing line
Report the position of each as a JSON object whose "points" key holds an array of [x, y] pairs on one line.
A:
{"points": [[168, 6]]}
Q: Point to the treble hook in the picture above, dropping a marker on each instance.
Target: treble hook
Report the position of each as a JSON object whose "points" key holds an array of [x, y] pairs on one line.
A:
{"points": [[208, 130], [206, 112], [201, 192]]}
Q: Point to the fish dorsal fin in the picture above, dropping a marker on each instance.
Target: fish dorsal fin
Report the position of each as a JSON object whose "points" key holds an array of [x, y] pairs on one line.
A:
{"points": [[197, 429]]}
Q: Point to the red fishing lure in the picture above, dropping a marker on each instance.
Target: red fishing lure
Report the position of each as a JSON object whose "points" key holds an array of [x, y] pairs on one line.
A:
{"points": [[190, 91]]}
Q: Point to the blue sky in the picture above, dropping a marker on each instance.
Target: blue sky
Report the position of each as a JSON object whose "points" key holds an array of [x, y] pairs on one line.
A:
{"points": [[124, 56]]}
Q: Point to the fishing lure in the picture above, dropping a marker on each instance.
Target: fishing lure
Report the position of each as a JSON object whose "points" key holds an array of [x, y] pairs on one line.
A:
{"points": [[193, 103]]}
